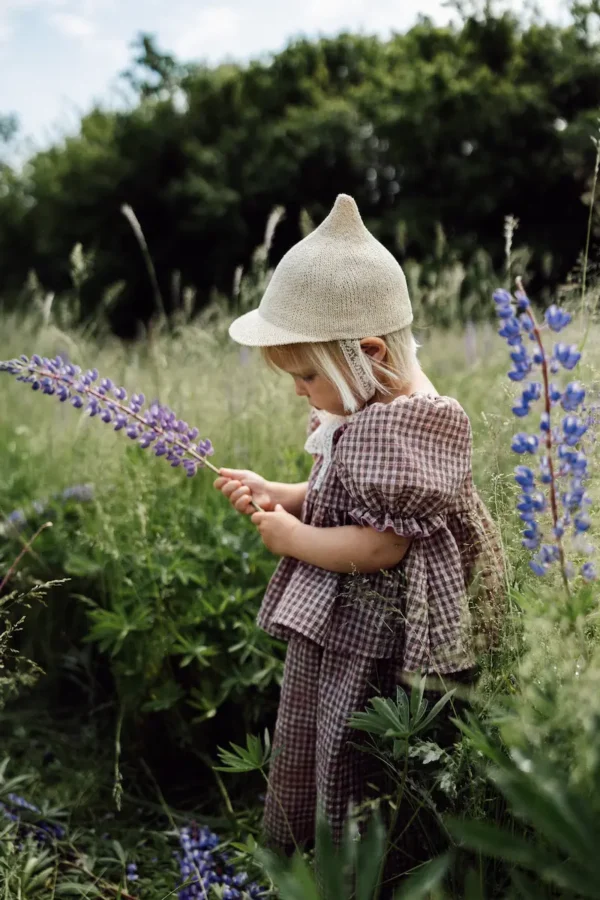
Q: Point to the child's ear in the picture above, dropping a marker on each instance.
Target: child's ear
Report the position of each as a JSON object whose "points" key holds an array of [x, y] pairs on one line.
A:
{"points": [[374, 347]]}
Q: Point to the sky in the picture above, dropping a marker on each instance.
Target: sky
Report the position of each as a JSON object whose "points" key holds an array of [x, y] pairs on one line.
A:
{"points": [[57, 57]]}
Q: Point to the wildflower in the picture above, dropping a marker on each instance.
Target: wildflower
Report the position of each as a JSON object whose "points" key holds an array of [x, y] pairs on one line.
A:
{"points": [[525, 478], [41, 830], [573, 396], [101, 397], [80, 493], [568, 357], [132, 874], [201, 865], [573, 430], [525, 443], [562, 457], [588, 571], [556, 318]]}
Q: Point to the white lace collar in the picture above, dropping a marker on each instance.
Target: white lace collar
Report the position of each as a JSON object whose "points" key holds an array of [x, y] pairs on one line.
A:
{"points": [[320, 441]]}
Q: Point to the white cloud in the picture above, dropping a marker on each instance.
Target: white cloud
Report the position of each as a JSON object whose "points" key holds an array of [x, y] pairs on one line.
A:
{"points": [[205, 31], [72, 25], [320, 14]]}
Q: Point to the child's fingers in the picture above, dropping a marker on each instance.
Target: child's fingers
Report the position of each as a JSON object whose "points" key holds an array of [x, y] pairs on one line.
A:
{"points": [[220, 482], [230, 487], [236, 474], [244, 504], [242, 495]]}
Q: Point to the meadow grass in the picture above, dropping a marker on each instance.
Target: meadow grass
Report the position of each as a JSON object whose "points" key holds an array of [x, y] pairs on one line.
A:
{"points": [[156, 622]]}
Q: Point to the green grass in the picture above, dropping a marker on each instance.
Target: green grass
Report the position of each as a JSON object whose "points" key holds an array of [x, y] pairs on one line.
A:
{"points": [[156, 621]]}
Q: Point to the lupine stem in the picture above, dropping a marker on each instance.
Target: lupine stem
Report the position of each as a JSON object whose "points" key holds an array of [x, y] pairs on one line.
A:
{"points": [[549, 442]]}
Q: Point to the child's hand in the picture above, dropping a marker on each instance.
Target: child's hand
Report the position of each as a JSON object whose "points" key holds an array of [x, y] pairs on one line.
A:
{"points": [[241, 487], [277, 530]]}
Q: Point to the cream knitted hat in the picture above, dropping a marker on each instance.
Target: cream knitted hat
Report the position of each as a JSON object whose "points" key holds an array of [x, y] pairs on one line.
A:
{"points": [[339, 283]]}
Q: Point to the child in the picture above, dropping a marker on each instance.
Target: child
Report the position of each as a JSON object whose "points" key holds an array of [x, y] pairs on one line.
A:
{"points": [[379, 548]]}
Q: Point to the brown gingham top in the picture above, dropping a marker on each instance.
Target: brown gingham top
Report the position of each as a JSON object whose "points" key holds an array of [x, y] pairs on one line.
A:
{"points": [[404, 466]]}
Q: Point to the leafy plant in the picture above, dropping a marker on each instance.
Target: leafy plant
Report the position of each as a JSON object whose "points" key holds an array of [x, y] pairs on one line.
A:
{"points": [[349, 872], [563, 825]]}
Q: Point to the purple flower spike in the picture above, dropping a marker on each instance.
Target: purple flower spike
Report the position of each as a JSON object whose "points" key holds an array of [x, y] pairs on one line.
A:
{"points": [[563, 457], [156, 426], [201, 866]]}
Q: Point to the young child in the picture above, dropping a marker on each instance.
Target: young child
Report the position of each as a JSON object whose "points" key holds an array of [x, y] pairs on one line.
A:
{"points": [[380, 547]]}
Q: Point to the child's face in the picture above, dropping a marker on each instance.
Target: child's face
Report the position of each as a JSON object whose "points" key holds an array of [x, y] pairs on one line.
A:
{"points": [[320, 392]]}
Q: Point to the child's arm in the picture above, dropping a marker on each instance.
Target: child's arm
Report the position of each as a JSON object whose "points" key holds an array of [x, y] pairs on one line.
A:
{"points": [[241, 486], [345, 549], [290, 496]]}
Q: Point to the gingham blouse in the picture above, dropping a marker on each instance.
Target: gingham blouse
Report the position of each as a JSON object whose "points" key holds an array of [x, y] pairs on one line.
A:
{"points": [[404, 466]]}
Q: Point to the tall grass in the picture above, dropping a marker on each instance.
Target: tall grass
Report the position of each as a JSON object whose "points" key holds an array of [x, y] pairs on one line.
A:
{"points": [[156, 622]]}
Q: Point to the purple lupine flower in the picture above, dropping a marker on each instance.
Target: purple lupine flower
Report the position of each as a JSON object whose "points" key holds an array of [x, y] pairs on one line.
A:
{"points": [[588, 571], [17, 518], [202, 865], [40, 829], [573, 396], [132, 873], [525, 443], [556, 318], [156, 424], [561, 444], [568, 357]]}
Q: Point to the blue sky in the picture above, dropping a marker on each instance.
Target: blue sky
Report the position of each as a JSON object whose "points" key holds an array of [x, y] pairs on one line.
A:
{"points": [[58, 56]]}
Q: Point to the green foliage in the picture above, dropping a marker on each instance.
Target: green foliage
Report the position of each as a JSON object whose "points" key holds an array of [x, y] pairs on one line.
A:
{"points": [[16, 671], [563, 824], [348, 872], [253, 758], [149, 619], [28, 871], [401, 719], [355, 869], [455, 125]]}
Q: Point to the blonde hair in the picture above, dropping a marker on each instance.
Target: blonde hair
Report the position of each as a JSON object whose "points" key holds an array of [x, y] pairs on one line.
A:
{"points": [[355, 374]]}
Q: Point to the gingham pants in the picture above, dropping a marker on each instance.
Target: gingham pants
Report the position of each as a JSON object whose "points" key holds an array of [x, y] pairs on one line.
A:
{"points": [[317, 762]]}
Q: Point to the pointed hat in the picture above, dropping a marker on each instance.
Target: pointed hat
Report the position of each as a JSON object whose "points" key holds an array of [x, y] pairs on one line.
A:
{"points": [[339, 283]]}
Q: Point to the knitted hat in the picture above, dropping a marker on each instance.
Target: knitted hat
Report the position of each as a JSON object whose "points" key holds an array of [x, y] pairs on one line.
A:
{"points": [[339, 283]]}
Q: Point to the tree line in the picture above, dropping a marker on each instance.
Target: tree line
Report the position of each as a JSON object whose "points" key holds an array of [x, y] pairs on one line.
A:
{"points": [[453, 126]]}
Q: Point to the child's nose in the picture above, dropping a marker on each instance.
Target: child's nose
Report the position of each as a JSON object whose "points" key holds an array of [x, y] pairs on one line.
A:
{"points": [[300, 388]]}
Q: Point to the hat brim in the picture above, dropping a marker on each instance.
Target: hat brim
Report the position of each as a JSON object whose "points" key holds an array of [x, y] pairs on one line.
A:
{"points": [[252, 330]]}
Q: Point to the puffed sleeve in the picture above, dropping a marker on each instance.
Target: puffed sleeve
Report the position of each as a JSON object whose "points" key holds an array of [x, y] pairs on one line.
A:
{"points": [[404, 463]]}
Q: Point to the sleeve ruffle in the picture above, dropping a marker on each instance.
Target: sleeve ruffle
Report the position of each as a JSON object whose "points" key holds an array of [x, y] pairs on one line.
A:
{"points": [[405, 463]]}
